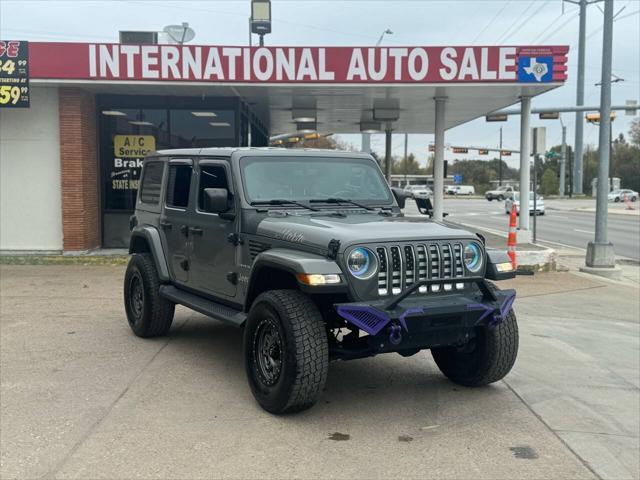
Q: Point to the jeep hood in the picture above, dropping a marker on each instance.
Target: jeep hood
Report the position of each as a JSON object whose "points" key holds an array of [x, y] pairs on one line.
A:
{"points": [[319, 230]]}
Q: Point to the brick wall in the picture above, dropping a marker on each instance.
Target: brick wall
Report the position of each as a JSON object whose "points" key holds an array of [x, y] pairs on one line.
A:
{"points": [[79, 170]]}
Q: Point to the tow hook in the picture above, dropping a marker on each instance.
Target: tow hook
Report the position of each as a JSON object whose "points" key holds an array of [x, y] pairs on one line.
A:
{"points": [[395, 334]]}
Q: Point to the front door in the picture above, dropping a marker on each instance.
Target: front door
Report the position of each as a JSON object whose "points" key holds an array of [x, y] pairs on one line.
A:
{"points": [[174, 219], [213, 255]]}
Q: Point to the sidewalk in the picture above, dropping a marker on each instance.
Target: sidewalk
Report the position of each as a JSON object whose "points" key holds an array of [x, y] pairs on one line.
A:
{"points": [[589, 205]]}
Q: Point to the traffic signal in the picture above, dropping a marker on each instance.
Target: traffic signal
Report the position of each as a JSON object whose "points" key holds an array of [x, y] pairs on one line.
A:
{"points": [[483, 151], [460, 150], [506, 153], [432, 147], [595, 117], [496, 118], [549, 116]]}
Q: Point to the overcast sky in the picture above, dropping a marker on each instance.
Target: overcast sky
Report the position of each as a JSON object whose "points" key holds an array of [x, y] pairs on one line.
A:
{"points": [[360, 22]]}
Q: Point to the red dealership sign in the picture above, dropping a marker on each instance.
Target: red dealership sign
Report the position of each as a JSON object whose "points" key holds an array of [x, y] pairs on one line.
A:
{"points": [[228, 64]]}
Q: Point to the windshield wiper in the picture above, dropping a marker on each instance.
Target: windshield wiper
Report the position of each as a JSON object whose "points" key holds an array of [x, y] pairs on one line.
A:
{"points": [[341, 200], [284, 202]]}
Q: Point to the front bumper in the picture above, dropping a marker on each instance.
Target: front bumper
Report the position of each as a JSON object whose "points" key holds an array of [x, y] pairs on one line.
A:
{"points": [[415, 322]]}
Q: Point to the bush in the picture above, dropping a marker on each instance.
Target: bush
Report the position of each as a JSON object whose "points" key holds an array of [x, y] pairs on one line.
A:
{"points": [[549, 182]]}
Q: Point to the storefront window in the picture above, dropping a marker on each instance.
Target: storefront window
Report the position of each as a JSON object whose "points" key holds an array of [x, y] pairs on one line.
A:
{"points": [[202, 128], [131, 135], [128, 134]]}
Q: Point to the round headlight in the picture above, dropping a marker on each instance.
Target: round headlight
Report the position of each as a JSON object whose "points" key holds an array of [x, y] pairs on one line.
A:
{"points": [[362, 263], [472, 257]]}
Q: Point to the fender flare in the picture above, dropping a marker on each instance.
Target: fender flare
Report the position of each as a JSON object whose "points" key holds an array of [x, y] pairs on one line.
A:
{"points": [[152, 238], [292, 262]]}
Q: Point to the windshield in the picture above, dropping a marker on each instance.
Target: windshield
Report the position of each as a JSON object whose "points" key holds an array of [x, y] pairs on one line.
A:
{"points": [[313, 178]]}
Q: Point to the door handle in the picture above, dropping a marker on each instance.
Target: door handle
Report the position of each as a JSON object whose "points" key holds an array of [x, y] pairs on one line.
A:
{"points": [[196, 230], [166, 225], [184, 229]]}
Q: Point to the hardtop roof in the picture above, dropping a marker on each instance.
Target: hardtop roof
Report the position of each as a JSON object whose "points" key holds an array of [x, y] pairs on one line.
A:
{"points": [[257, 151]]}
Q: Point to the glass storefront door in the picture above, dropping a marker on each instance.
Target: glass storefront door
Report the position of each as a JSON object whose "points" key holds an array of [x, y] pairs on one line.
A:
{"points": [[130, 127]]}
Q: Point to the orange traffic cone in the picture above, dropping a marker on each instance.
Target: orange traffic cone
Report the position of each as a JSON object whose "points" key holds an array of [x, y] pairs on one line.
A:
{"points": [[511, 240]]}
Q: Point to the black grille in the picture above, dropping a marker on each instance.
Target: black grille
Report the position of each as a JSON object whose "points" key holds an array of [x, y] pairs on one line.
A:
{"points": [[401, 266]]}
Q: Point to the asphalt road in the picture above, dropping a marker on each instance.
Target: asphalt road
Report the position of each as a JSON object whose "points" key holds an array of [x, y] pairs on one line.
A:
{"points": [[562, 227]]}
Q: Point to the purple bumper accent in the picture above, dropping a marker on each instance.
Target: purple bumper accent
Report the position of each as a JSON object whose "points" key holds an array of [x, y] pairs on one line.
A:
{"points": [[369, 319], [481, 306], [507, 304], [373, 320]]}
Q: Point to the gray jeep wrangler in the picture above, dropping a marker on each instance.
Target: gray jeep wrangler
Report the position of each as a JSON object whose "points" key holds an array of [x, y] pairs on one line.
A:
{"points": [[309, 252]]}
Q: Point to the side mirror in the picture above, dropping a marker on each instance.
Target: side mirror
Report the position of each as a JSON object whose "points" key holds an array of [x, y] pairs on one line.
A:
{"points": [[215, 200], [401, 196]]}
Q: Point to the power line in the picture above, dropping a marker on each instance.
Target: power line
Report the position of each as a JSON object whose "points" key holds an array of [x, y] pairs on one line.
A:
{"points": [[479, 34], [508, 31], [556, 30], [527, 19], [560, 27]]}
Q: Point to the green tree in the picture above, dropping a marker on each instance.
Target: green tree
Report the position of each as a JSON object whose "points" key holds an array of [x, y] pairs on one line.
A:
{"points": [[549, 182], [408, 166], [634, 131]]}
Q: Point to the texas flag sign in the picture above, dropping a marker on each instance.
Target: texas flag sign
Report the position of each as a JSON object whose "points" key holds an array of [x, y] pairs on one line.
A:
{"points": [[535, 69]]}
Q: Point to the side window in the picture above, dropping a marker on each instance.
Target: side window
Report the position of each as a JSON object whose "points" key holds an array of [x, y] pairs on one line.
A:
{"points": [[178, 186], [212, 176], [151, 183]]}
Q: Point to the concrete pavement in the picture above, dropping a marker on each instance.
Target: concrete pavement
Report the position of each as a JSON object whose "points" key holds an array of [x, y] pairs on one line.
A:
{"points": [[81, 397]]}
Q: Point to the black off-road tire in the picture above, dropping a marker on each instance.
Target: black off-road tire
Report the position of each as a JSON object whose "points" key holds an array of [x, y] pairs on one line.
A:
{"points": [[486, 359], [304, 351], [149, 314]]}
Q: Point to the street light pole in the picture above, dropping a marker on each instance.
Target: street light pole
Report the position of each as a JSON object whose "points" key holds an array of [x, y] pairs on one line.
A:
{"points": [[563, 158], [600, 252], [500, 164], [406, 159], [577, 158]]}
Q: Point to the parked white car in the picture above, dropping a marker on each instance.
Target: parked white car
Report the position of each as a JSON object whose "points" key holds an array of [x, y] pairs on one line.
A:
{"points": [[499, 193], [418, 191], [620, 195], [515, 199], [465, 190], [451, 189]]}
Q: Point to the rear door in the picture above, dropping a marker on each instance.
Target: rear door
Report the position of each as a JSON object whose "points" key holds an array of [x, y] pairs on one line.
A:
{"points": [[174, 226], [213, 257]]}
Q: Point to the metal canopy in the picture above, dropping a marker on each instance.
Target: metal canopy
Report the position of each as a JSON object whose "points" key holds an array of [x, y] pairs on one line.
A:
{"points": [[340, 108]]}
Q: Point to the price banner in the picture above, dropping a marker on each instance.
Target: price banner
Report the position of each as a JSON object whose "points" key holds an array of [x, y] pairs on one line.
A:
{"points": [[14, 74]]}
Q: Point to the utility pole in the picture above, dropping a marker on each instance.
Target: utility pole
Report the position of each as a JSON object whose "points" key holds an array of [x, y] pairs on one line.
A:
{"points": [[577, 146], [387, 153], [600, 252], [500, 164], [563, 158]]}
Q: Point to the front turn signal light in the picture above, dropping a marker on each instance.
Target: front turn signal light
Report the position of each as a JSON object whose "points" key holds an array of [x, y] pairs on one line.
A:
{"points": [[504, 267], [315, 279]]}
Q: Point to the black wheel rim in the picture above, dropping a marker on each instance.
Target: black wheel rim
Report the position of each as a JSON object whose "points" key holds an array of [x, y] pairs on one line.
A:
{"points": [[136, 297], [268, 352]]}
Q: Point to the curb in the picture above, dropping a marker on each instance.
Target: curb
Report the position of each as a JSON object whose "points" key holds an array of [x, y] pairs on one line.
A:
{"points": [[85, 260], [544, 260]]}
